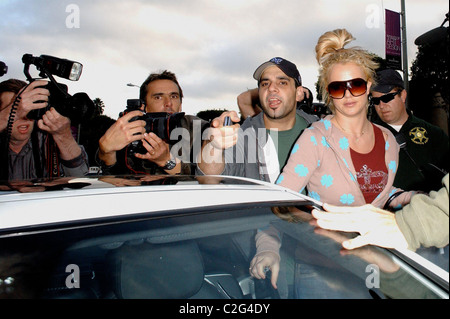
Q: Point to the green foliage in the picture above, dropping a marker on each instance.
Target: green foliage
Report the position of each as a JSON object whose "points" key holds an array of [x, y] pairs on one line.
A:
{"points": [[429, 75], [99, 106], [209, 115]]}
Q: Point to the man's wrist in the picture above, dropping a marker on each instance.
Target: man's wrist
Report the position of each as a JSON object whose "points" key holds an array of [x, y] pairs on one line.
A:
{"points": [[170, 164], [108, 159]]}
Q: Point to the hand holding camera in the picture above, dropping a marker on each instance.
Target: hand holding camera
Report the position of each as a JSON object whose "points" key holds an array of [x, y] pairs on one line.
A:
{"points": [[33, 97], [156, 150], [55, 124], [119, 135], [224, 132], [77, 107]]}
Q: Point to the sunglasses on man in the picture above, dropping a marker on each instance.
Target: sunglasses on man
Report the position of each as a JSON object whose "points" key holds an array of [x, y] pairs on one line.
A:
{"points": [[357, 87], [385, 98]]}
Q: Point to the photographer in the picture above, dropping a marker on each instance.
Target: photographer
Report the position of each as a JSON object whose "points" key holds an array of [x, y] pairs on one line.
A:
{"points": [[30, 151], [160, 92]]}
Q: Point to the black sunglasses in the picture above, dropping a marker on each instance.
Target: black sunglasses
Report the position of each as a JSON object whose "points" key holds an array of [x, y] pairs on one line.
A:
{"points": [[357, 87], [384, 98]]}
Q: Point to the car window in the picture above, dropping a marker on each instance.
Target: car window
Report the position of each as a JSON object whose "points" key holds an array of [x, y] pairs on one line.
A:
{"points": [[204, 254]]}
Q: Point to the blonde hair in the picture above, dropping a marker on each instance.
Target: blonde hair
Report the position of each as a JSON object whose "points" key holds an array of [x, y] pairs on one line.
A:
{"points": [[330, 51]]}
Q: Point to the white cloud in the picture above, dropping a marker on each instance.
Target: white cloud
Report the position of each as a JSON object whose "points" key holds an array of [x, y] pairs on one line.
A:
{"points": [[212, 45]]}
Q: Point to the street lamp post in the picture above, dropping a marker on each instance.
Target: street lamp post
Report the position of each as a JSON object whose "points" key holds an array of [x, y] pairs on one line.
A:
{"points": [[404, 47]]}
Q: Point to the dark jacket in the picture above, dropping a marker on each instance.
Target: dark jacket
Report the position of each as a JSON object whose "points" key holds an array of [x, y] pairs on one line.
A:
{"points": [[426, 147], [39, 158]]}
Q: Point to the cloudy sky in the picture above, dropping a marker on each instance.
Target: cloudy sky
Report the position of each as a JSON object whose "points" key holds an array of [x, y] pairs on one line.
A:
{"points": [[213, 46]]}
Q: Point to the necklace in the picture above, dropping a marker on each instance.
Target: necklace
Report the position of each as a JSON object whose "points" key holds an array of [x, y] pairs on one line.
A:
{"points": [[345, 131]]}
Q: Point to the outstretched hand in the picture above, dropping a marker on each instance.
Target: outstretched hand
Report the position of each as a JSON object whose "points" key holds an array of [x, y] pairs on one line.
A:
{"points": [[375, 226]]}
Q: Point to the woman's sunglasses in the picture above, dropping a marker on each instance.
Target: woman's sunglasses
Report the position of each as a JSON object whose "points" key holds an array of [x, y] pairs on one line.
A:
{"points": [[384, 98], [357, 87]]}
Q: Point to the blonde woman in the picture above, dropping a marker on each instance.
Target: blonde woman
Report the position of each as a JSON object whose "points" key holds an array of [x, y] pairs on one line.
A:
{"points": [[343, 159]]}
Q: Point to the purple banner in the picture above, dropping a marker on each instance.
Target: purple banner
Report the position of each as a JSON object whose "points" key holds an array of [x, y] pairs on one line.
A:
{"points": [[393, 40]]}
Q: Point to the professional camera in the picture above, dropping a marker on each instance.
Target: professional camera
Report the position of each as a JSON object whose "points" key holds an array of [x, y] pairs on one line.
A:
{"points": [[160, 123], [78, 107], [3, 68], [132, 105], [318, 109]]}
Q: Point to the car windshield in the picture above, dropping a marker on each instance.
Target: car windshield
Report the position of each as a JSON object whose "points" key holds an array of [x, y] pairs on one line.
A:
{"points": [[202, 252]]}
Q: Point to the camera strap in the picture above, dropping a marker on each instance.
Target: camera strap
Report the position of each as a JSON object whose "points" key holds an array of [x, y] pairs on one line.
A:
{"points": [[401, 140], [52, 157], [35, 145]]}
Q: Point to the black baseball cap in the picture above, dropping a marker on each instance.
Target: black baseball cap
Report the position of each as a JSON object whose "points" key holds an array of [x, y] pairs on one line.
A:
{"points": [[387, 80], [284, 65]]}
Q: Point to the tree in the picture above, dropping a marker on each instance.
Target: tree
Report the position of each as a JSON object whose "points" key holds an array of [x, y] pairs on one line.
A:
{"points": [[429, 79], [209, 115], [99, 106], [91, 131], [92, 128]]}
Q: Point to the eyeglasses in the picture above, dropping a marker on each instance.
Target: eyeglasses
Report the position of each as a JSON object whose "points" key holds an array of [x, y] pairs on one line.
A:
{"points": [[357, 87], [384, 98]]}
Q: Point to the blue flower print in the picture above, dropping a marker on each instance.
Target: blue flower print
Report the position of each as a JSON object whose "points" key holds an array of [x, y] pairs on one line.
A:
{"points": [[347, 199], [301, 170], [386, 147], [314, 195], [343, 143], [324, 142], [313, 140], [279, 179], [327, 180], [295, 149], [326, 123], [393, 166]]}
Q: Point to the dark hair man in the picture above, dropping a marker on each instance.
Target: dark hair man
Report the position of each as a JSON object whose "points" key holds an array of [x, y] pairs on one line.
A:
{"points": [[160, 92], [29, 151]]}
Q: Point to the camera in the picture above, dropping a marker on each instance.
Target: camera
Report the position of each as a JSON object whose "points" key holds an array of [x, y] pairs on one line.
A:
{"points": [[3, 68], [78, 107], [132, 105], [318, 109], [160, 123]]}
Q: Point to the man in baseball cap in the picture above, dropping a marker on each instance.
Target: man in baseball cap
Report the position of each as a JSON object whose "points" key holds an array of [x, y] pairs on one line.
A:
{"points": [[284, 65], [279, 89], [424, 155], [387, 80]]}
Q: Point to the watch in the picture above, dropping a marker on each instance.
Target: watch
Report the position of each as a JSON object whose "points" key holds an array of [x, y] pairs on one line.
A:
{"points": [[170, 164]]}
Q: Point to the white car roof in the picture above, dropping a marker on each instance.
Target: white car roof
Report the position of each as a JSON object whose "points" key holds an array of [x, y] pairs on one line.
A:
{"points": [[99, 199]]}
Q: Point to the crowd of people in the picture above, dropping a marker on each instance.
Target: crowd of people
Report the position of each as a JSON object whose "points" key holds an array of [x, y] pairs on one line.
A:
{"points": [[362, 170]]}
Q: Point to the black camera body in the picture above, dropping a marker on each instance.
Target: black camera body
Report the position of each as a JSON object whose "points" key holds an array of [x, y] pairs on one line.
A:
{"points": [[132, 105], [78, 107], [159, 123], [3, 68]]}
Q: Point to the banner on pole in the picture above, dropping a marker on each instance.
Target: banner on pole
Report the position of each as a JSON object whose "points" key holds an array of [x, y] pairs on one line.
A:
{"points": [[393, 40]]}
